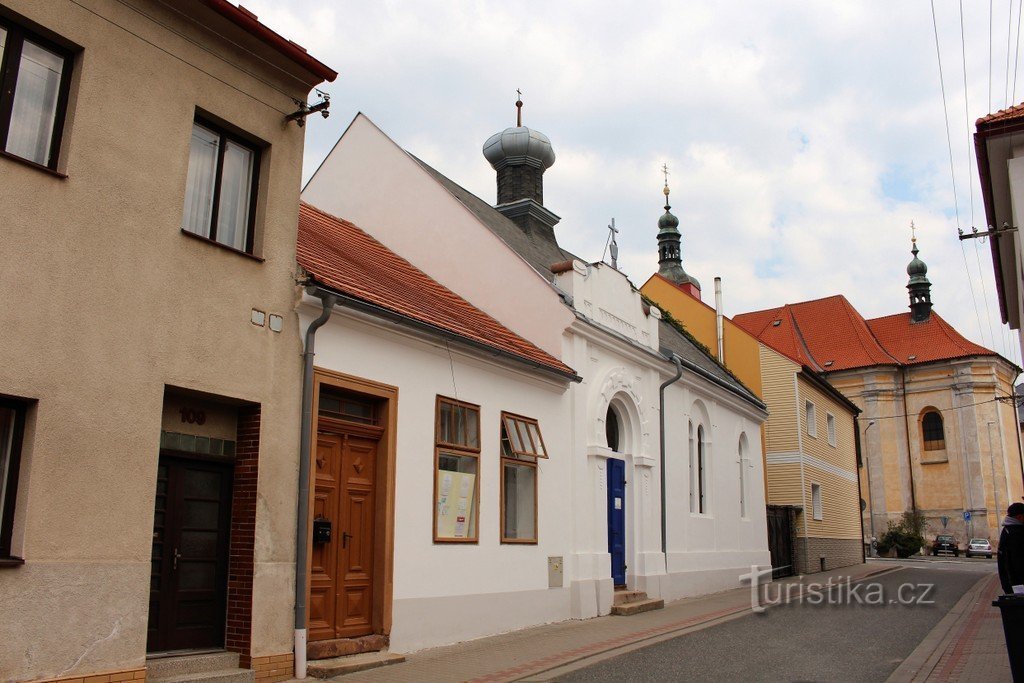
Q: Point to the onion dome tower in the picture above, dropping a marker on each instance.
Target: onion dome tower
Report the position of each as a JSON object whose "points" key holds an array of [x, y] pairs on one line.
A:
{"points": [[919, 287], [670, 262], [520, 156]]}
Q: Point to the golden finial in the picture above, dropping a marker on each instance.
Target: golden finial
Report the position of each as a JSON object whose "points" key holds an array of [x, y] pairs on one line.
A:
{"points": [[664, 170], [913, 234]]}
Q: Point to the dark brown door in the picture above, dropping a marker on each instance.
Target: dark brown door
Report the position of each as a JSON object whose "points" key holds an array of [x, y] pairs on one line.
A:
{"points": [[341, 571], [188, 583]]}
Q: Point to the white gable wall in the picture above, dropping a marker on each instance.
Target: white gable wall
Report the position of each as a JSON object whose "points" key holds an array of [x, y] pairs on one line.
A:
{"points": [[370, 181]]}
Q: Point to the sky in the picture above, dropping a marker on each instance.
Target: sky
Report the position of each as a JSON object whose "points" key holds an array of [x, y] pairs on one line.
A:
{"points": [[802, 138]]}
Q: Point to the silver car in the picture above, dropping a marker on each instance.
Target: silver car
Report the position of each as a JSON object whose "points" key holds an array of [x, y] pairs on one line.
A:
{"points": [[979, 546]]}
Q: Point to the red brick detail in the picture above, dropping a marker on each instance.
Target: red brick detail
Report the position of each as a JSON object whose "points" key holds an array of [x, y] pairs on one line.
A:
{"points": [[238, 634]]}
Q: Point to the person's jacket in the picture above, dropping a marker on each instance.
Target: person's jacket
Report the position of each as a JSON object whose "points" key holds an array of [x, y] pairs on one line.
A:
{"points": [[1011, 556]]}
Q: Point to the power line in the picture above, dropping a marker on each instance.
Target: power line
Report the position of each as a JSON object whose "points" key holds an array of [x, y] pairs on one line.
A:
{"points": [[1009, 30], [1016, 51], [862, 417], [990, 55]]}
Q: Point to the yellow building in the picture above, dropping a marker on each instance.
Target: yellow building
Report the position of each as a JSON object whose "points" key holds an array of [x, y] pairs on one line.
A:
{"points": [[938, 427], [811, 467]]}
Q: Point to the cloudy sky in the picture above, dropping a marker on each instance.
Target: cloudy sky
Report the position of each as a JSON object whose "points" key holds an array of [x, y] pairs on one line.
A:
{"points": [[801, 137]]}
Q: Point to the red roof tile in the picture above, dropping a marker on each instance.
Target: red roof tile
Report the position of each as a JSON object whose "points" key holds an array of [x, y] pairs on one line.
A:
{"points": [[832, 335], [933, 339], [345, 259], [1008, 114]]}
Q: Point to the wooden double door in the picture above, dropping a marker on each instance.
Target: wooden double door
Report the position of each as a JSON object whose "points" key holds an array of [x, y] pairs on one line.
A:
{"points": [[342, 591], [188, 577]]}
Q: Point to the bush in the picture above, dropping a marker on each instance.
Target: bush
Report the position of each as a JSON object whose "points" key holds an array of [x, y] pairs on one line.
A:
{"points": [[906, 535]]}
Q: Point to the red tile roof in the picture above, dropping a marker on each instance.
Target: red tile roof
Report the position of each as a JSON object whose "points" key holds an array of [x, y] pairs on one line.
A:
{"points": [[832, 335], [345, 259], [248, 22], [1008, 114]]}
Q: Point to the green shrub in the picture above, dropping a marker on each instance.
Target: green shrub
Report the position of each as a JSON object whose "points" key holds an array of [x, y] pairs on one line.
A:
{"points": [[906, 535]]}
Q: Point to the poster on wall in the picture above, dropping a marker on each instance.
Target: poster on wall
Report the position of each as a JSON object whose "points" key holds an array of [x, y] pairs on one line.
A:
{"points": [[455, 510]]}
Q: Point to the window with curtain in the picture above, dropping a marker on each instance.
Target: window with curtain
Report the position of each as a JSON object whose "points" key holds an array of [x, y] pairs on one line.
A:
{"points": [[220, 191], [932, 431], [33, 94], [816, 508], [521, 446], [830, 423], [812, 426]]}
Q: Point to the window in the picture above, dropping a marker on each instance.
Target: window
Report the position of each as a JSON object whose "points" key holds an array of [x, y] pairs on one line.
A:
{"points": [[931, 429], [812, 427], [456, 481], [830, 421], [693, 492], [701, 471], [220, 193], [12, 427], [521, 445], [743, 475], [34, 81], [611, 429], [816, 501]]}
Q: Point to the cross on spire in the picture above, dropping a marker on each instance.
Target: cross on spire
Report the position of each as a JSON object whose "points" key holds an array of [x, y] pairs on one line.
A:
{"points": [[519, 108], [913, 234]]}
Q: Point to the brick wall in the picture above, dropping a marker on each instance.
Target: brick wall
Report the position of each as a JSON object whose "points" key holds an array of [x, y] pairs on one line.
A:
{"points": [[274, 668], [838, 552], [238, 636], [109, 677], [520, 182]]}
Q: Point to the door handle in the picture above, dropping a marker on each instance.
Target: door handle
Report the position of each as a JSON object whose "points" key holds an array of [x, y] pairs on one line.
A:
{"points": [[344, 539], [176, 556]]}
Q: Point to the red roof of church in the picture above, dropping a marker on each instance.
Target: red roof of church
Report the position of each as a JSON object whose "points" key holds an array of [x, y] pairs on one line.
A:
{"points": [[829, 334], [345, 259], [1008, 114]]}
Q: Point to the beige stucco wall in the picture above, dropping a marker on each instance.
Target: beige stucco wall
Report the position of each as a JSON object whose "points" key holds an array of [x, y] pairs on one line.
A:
{"points": [[108, 303], [945, 483]]}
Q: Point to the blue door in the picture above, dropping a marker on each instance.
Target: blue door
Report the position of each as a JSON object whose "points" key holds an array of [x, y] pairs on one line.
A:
{"points": [[617, 519]]}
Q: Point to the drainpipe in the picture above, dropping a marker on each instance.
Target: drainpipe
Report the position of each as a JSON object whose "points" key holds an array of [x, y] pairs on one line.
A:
{"points": [[860, 492], [302, 523], [661, 395], [906, 431], [718, 320]]}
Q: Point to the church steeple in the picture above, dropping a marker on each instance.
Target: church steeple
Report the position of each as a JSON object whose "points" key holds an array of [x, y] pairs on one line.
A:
{"points": [[919, 287], [670, 263]]}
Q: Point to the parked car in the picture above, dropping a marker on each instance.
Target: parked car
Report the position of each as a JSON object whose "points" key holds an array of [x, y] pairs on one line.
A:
{"points": [[978, 547], [944, 543]]}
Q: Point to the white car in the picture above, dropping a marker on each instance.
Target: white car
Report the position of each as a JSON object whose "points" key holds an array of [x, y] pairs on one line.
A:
{"points": [[979, 546]]}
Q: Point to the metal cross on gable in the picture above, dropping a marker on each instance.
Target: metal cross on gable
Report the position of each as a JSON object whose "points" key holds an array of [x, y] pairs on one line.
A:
{"points": [[613, 246]]}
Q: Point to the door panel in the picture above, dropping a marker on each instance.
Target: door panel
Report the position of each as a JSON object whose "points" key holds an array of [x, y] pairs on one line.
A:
{"points": [[341, 581], [188, 582], [617, 519]]}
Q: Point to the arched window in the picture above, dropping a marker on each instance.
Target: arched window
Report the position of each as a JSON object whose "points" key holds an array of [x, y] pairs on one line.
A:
{"points": [[743, 475], [611, 429], [702, 487], [931, 430], [693, 496]]}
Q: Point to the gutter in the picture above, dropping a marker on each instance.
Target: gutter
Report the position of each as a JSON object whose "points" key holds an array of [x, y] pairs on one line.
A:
{"points": [[302, 523], [661, 395]]}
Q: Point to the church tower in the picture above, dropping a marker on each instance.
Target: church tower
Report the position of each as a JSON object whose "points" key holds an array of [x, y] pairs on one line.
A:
{"points": [[670, 262], [919, 287]]}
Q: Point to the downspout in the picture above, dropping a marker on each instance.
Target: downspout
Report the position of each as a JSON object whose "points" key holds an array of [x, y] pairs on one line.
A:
{"points": [[661, 396], [302, 523], [718, 320], [906, 431], [860, 492]]}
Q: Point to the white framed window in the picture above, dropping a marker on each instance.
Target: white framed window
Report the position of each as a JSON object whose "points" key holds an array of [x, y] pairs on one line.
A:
{"points": [[521, 445], [830, 420], [816, 501], [812, 427]]}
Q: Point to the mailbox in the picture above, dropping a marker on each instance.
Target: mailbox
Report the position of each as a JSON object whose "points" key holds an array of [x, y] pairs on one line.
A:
{"points": [[321, 531]]}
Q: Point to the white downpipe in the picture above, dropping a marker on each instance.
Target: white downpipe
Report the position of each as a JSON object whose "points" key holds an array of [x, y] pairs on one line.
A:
{"points": [[718, 320], [300, 653]]}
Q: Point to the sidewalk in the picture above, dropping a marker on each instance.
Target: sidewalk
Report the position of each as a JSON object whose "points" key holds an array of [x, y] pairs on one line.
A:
{"points": [[967, 645], [542, 652]]}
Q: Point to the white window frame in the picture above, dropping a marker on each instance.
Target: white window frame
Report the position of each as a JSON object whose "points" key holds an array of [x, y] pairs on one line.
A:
{"points": [[811, 415], [830, 421], [816, 506]]}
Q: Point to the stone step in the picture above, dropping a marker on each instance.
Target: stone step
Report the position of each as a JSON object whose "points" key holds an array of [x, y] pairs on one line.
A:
{"points": [[626, 597], [219, 676], [339, 666], [632, 608], [180, 665]]}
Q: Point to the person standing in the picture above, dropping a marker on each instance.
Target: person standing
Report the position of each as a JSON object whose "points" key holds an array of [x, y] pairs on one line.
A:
{"points": [[1011, 549]]}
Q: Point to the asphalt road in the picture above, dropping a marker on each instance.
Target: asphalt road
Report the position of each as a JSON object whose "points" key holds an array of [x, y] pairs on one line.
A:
{"points": [[807, 642]]}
